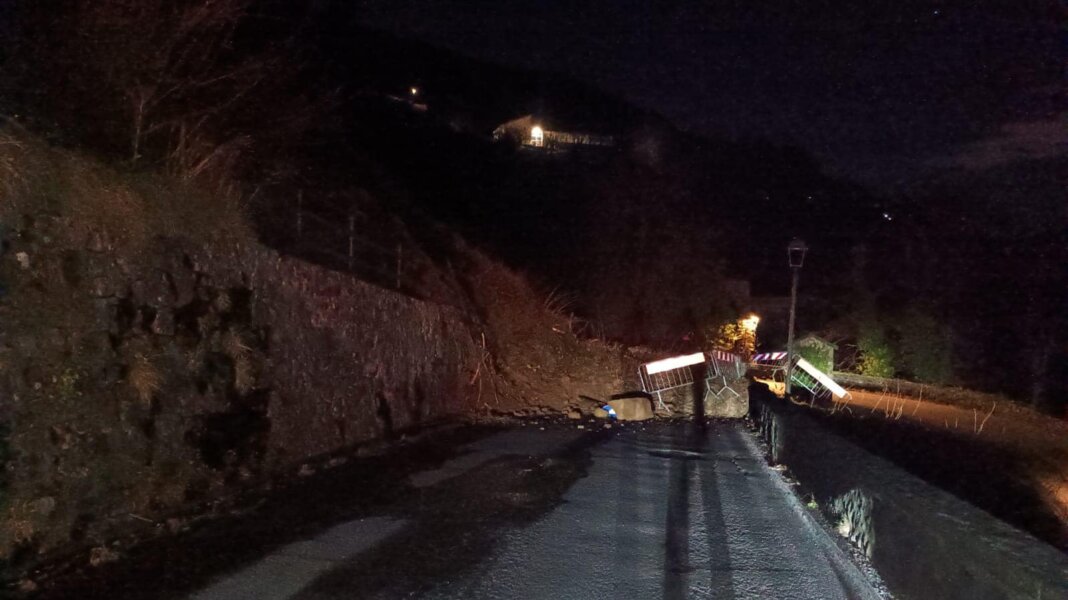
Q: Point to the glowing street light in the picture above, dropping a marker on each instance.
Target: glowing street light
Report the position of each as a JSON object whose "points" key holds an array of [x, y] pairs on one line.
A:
{"points": [[750, 323], [796, 252]]}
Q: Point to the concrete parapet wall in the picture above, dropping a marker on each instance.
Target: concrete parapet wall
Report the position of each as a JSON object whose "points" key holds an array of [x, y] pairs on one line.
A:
{"points": [[924, 542]]}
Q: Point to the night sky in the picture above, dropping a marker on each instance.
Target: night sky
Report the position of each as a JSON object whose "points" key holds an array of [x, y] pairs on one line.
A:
{"points": [[883, 92]]}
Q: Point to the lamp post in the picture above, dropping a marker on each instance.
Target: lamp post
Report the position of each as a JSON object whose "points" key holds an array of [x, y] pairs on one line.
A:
{"points": [[796, 253]]}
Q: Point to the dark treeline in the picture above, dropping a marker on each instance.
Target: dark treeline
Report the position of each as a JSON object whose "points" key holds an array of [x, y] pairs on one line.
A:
{"points": [[192, 86], [984, 253]]}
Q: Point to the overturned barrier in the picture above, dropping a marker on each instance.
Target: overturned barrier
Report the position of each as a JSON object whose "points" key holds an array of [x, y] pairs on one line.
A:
{"points": [[924, 542], [773, 366], [714, 375], [668, 374], [818, 383]]}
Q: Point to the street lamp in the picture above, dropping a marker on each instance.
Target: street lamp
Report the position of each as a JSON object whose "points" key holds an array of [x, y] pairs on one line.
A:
{"points": [[796, 253]]}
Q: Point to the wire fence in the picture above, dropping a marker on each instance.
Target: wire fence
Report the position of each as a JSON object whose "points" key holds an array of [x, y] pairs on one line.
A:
{"points": [[338, 233]]}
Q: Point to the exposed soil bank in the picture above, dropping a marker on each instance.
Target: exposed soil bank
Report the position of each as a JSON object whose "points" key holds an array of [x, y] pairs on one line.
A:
{"points": [[924, 542], [941, 394]]}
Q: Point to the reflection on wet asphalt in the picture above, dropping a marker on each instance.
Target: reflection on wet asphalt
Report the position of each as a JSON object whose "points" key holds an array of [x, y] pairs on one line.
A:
{"points": [[641, 510], [667, 511]]}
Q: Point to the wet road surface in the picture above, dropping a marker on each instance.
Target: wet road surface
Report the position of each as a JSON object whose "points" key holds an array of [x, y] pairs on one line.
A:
{"points": [[655, 511]]}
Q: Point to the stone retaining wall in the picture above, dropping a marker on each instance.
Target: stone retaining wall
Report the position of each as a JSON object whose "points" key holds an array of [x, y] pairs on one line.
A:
{"points": [[139, 385], [349, 361]]}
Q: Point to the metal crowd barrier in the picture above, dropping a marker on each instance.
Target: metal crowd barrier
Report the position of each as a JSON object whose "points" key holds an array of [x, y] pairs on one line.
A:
{"points": [[804, 374], [771, 363], [818, 383], [729, 364], [721, 370], [662, 375]]}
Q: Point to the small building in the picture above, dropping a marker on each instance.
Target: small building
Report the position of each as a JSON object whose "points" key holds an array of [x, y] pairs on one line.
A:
{"points": [[535, 133]]}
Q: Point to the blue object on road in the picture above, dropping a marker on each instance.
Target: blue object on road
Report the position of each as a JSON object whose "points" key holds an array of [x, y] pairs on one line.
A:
{"points": [[611, 412]]}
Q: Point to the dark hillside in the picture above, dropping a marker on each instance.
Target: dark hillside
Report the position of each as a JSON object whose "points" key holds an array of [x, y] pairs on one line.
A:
{"points": [[316, 109], [311, 119], [469, 94], [613, 227], [642, 236]]}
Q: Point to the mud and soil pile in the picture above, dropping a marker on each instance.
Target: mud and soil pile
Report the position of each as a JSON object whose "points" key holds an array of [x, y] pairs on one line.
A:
{"points": [[537, 364]]}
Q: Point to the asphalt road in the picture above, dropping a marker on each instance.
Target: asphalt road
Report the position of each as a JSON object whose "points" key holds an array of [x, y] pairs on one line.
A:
{"points": [[656, 511]]}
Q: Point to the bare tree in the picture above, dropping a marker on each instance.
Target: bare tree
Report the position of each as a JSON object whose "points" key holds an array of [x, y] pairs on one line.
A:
{"points": [[154, 71], [186, 83], [169, 59]]}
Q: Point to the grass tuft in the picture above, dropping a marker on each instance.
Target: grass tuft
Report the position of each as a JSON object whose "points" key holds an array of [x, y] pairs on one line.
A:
{"points": [[559, 303]]}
